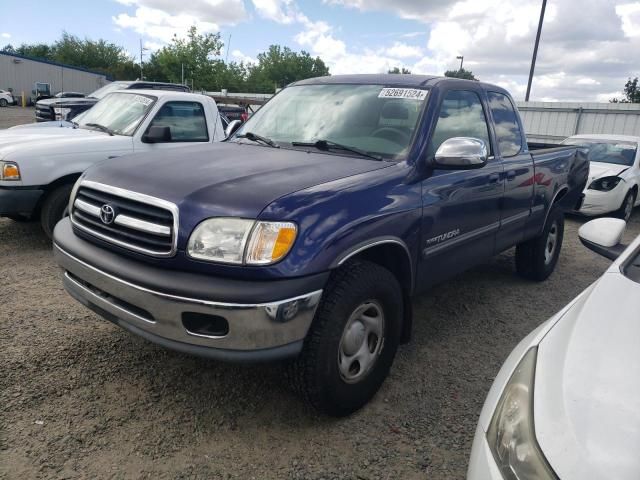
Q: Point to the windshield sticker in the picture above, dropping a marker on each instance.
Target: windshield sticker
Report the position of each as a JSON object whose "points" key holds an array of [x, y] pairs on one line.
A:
{"points": [[404, 93], [143, 100]]}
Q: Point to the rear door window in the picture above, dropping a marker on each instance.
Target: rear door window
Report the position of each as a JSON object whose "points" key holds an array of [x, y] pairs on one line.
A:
{"points": [[186, 120], [508, 133]]}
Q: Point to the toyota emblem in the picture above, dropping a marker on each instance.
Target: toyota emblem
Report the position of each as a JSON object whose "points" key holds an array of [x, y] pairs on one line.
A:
{"points": [[107, 214]]}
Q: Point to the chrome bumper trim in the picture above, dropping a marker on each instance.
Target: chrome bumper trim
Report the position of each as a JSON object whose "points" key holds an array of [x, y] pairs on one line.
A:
{"points": [[251, 326]]}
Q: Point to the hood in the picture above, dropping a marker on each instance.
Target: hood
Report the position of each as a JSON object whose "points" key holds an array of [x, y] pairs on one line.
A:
{"points": [[28, 128], [587, 386], [26, 143], [226, 179], [66, 102], [600, 170]]}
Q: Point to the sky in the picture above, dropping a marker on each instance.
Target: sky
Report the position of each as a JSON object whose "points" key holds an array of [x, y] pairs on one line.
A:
{"points": [[588, 50]]}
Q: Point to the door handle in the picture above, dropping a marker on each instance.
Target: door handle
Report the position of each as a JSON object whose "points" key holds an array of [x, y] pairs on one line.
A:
{"points": [[511, 175], [494, 177]]}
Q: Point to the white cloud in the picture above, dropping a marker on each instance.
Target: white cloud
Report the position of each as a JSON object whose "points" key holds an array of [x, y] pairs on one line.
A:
{"points": [[5, 35], [160, 20], [238, 56], [629, 13], [281, 11], [402, 50]]}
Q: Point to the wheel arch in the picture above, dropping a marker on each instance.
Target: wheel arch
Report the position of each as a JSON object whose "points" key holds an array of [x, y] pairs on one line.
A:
{"points": [[393, 254], [66, 180]]}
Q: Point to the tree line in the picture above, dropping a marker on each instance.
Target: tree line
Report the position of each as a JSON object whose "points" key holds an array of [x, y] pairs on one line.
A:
{"points": [[195, 60]]}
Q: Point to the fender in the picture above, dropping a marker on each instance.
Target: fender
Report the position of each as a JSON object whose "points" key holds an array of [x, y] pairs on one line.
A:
{"points": [[563, 188]]}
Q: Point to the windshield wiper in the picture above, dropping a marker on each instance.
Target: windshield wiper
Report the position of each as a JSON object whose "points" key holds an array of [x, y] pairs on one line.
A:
{"points": [[328, 145], [101, 127], [254, 137]]}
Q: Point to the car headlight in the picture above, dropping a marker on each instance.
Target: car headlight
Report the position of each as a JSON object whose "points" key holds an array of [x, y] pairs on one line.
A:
{"points": [[61, 113], [241, 241], [9, 171], [605, 184], [511, 434]]}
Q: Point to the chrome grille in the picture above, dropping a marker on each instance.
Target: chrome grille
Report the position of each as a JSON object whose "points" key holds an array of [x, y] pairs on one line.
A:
{"points": [[128, 219]]}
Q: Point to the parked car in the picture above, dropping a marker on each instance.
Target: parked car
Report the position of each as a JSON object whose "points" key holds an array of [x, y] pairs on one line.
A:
{"points": [[40, 165], [305, 235], [234, 112], [66, 109], [614, 174], [565, 403], [70, 95], [6, 98]]}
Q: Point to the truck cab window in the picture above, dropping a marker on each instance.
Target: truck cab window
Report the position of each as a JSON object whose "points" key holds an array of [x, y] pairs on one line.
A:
{"points": [[508, 131], [185, 119], [461, 115]]}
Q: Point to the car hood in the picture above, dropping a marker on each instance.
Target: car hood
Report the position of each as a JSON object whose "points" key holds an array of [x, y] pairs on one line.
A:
{"points": [[599, 170], [66, 102], [28, 128], [226, 179], [587, 385], [51, 141]]}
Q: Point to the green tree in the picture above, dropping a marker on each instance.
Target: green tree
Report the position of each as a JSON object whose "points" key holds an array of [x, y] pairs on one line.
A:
{"points": [[404, 71], [462, 73], [631, 92]]}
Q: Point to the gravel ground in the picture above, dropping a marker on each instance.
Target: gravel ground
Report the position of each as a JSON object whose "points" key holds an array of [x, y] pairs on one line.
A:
{"points": [[10, 116], [80, 398]]}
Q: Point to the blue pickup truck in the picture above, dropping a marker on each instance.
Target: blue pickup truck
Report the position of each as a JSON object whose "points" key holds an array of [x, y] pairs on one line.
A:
{"points": [[304, 235]]}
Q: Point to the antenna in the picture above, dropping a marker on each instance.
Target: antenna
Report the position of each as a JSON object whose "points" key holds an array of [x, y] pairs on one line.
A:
{"points": [[226, 57]]}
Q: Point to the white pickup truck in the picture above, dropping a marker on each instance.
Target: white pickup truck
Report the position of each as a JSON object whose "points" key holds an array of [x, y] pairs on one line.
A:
{"points": [[39, 163]]}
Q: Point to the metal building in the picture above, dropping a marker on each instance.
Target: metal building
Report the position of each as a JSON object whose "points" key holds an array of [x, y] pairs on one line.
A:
{"points": [[21, 73], [551, 122]]}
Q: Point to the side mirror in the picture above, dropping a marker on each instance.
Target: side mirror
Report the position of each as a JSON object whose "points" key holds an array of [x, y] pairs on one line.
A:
{"points": [[461, 153], [603, 236], [157, 134], [233, 126]]}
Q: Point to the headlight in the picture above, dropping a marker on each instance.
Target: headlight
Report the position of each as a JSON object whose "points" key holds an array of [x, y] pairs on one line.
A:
{"points": [[225, 240], [61, 113], [9, 171], [605, 184], [511, 434]]}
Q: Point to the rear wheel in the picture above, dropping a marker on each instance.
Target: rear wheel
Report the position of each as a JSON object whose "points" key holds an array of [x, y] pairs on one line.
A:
{"points": [[536, 259], [352, 342], [54, 207], [625, 211], [3, 102]]}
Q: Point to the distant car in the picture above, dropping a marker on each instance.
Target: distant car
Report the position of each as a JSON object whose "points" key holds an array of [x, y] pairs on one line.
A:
{"points": [[67, 108], [234, 112], [565, 403], [614, 174], [70, 95], [6, 98]]}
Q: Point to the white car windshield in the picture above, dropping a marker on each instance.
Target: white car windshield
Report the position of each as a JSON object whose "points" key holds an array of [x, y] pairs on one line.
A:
{"points": [[617, 153], [117, 113], [371, 118]]}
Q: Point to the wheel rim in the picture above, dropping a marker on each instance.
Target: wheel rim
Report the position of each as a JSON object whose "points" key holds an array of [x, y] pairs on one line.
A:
{"points": [[628, 207], [551, 245], [361, 342]]}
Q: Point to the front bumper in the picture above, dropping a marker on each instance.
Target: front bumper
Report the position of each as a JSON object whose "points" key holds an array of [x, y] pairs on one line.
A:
{"points": [[482, 466], [600, 203], [255, 332], [18, 200]]}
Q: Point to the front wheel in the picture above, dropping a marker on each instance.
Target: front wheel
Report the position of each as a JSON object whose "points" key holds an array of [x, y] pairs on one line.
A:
{"points": [[352, 342], [53, 208], [625, 211], [3, 102], [536, 259]]}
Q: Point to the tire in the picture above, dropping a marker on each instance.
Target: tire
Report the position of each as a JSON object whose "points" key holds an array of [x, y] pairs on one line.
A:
{"points": [[53, 208], [356, 291], [536, 259], [3, 102], [626, 209]]}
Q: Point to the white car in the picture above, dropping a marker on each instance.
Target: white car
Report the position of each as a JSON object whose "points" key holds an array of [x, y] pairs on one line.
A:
{"points": [[6, 98], [566, 403], [40, 162], [614, 174]]}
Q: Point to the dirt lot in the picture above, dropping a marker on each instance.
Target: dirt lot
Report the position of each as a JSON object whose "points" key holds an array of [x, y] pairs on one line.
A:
{"points": [[11, 116], [80, 398]]}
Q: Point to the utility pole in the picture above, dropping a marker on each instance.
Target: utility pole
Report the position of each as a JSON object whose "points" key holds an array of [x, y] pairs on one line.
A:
{"points": [[461, 58], [142, 49], [182, 75], [535, 50], [226, 57]]}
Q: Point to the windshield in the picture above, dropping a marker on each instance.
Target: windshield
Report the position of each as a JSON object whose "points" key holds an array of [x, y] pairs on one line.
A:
{"points": [[121, 112], [377, 120], [617, 153], [112, 87]]}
